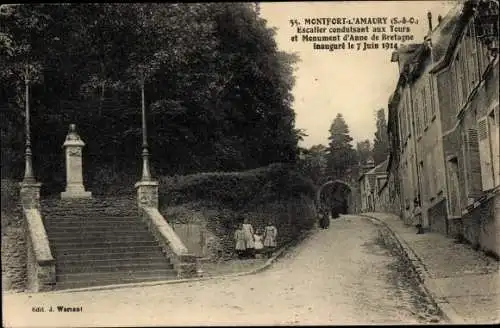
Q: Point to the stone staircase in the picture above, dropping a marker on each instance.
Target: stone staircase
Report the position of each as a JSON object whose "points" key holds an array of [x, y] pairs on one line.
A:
{"points": [[98, 242]]}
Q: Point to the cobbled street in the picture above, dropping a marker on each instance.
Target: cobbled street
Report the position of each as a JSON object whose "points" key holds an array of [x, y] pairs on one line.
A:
{"points": [[351, 273]]}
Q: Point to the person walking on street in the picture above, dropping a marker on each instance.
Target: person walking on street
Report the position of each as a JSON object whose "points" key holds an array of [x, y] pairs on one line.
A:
{"points": [[417, 215], [270, 234], [239, 238], [249, 238]]}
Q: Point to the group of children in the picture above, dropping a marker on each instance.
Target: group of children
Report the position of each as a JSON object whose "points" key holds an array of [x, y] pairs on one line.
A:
{"points": [[250, 243]]}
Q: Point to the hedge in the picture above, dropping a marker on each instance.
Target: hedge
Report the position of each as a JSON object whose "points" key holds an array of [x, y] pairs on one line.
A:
{"points": [[236, 190]]}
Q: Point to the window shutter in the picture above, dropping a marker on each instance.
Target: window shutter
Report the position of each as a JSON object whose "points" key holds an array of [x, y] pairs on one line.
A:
{"points": [[485, 154], [463, 73], [473, 164], [424, 106], [432, 91], [495, 143]]}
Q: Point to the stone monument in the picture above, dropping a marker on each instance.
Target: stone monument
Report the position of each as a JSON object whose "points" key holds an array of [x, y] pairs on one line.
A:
{"points": [[74, 176]]}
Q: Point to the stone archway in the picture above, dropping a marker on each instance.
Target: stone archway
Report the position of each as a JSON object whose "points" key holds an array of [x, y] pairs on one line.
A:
{"points": [[340, 194]]}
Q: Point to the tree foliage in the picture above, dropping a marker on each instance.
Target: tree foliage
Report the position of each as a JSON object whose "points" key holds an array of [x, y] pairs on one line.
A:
{"points": [[341, 156], [381, 141], [364, 151], [314, 163], [217, 90]]}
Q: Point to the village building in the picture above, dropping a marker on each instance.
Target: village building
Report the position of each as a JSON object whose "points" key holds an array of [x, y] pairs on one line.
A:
{"points": [[467, 83], [370, 184], [443, 127]]}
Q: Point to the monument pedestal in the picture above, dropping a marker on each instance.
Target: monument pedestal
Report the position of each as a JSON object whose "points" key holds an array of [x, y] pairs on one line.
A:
{"points": [[147, 193], [75, 191], [74, 177]]}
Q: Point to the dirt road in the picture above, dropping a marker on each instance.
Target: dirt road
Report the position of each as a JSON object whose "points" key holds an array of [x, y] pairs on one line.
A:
{"points": [[344, 275]]}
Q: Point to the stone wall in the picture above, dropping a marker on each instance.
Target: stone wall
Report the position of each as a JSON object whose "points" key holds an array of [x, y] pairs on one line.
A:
{"points": [[437, 215], [217, 225], [13, 239], [481, 225], [13, 251]]}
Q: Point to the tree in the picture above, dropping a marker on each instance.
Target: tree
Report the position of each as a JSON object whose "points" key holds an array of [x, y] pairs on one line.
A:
{"points": [[340, 154], [381, 141], [217, 90], [314, 163], [364, 151]]}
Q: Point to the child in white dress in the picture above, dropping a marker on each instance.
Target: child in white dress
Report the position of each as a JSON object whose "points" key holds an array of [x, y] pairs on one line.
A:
{"points": [[270, 234], [259, 246], [239, 238]]}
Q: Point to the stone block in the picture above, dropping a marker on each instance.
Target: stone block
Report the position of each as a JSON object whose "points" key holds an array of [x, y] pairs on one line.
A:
{"points": [[30, 195], [147, 193], [40, 267]]}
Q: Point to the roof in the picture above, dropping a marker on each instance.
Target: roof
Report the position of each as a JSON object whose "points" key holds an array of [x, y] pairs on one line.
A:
{"points": [[442, 34], [377, 170], [459, 17]]}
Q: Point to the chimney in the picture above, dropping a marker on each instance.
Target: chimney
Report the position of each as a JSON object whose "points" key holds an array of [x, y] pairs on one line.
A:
{"points": [[440, 19], [429, 18]]}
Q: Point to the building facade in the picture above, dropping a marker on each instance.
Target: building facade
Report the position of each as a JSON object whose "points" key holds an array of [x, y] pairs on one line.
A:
{"points": [[467, 83], [444, 126], [371, 183]]}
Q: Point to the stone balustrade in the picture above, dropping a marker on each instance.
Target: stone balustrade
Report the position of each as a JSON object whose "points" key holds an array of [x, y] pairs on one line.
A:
{"points": [[41, 268], [185, 264]]}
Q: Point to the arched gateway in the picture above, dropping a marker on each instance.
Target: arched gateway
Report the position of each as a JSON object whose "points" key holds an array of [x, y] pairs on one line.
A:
{"points": [[334, 195]]}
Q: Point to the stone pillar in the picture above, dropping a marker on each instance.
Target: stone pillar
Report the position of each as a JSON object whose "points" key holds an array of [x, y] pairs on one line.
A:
{"points": [[74, 176], [147, 194], [30, 195]]}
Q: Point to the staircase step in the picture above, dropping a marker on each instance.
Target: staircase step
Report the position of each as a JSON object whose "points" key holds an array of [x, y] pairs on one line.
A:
{"points": [[66, 246], [91, 223], [154, 254], [89, 214], [100, 235], [90, 280], [56, 230], [93, 251], [95, 267], [102, 241]]}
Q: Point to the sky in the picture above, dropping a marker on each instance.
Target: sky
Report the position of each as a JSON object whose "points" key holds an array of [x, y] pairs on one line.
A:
{"points": [[353, 83]]}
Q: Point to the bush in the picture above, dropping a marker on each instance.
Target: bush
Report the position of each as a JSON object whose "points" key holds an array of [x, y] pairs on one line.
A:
{"points": [[236, 190]]}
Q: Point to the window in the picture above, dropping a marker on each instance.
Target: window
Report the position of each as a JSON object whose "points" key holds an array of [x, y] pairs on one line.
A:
{"points": [[459, 81], [423, 95], [472, 58], [401, 127], [440, 170], [495, 145], [463, 72], [453, 189], [473, 164], [451, 88], [408, 119], [416, 109], [488, 136], [485, 154], [475, 57], [432, 103]]}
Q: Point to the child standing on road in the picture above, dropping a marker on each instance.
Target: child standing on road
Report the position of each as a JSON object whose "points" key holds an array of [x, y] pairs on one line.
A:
{"points": [[270, 234], [258, 242], [239, 238], [249, 238]]}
